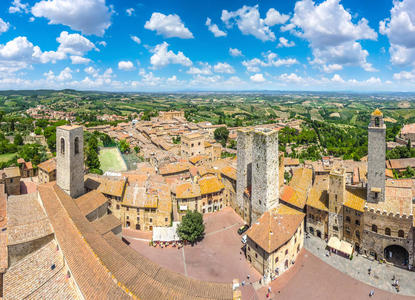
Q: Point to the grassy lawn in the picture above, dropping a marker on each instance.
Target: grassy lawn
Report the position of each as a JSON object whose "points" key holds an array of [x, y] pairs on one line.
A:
{"points": [[111, 160], [6, 157]]}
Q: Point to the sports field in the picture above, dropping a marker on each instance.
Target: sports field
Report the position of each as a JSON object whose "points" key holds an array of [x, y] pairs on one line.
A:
{"points": [[111, 160], [6, 157]]}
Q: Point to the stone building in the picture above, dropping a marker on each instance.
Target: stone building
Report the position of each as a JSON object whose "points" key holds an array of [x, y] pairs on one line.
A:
{"points": [[47, 171], [317, 208], [170, 115], [275, 240], [70, 159], [10, 177], [192, 144], [26, 168], [336, 192]]}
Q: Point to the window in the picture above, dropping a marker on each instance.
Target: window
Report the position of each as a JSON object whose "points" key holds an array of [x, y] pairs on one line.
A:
{"points": [[400, 233], [374, 228], [128, 217], [286, 251], [276, 259], [357, 222], [377, 122], [151, 220], [62, 146], [77, 145], [335, 228], [256, 255], [357, 234], [298, 248], [376, 195], [118, 207], [166, 219], [387, 231], [347, 219]]}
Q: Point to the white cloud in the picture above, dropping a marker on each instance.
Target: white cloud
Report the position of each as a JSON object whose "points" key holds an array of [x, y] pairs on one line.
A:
{"points": [[130, 11], [291, 78], [235, 52], [162, 57], [400, 29], [249, 22], [126, 65], [274, 17], [223, 68], [136, 39], [337, 78], [18, 7], [257, 78], [404, 76], [204, 69], [270, 59], [168, 26], [4, 26], [87, 16], [64, 75], [31, 19], [332, 35], [102, 43], [91, 71], [74, 43], [214, 28], [332, 68], [77, 60], [285, 43]]}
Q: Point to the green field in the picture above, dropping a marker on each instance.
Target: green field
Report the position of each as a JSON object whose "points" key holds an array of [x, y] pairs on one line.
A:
{"points": [[6, 157], [111, 160]]}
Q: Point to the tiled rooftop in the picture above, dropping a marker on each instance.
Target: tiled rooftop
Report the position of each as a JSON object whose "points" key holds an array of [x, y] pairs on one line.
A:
{"points": [[355, 199], [48, 166], [398, 200], [210, 185], [89, 202]]}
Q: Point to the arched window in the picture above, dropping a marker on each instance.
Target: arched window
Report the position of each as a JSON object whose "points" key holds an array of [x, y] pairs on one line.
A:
{"points": [[76, 145], [62, 146], [387, 231], [347, 219], [374, 228], [357, 234], [377, 122], [401, 233]]}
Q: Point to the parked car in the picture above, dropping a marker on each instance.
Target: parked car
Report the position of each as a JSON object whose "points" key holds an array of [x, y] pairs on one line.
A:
{"points": [[244, 238], [242, 229]]}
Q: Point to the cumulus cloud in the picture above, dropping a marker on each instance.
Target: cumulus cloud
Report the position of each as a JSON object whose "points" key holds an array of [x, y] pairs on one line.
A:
{"points": [[130, 11], [87, 16], [64, 75], [285, 43], [18, 7], [257, 78], [74, 43], [270, 59], [4, 26], [103, 43], [223, 68], [274, 17], [126, 65], [162, 57], [214, 28], [400, 30], [78, 60], [235, 52], [168, 26], [404, 76], [136, 39], [332, 35], [249, 22], [337, 78], [332, 68], [204, 69], [291, 78]]}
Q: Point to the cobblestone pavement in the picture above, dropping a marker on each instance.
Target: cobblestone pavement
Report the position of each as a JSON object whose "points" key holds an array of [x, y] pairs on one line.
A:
{"points": [[381, 274]]}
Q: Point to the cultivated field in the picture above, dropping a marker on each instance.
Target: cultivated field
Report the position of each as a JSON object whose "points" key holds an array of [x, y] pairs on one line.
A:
{"points": [[111, 160]]}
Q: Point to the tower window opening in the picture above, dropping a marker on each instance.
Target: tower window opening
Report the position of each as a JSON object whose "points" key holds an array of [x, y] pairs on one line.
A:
{"points": [[377, 122], [77, 145], [62, 146]]}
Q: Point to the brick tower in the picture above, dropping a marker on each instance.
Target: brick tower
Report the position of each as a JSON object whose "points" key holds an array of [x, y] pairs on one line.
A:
{"points": [[265, 167], [376, 158], [70, 159]]}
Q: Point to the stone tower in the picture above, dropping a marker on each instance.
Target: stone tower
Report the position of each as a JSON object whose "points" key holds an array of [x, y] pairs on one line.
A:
{"points": [[337, 192], [376, 158], [265, 169], [70, 159], [244, 168]]}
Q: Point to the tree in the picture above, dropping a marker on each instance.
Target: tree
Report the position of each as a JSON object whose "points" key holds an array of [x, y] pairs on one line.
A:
{"points": [[124, 146], [33, 152], [221, 135], [191, 228], [18, 139], [92, 160], [137, 149], [38, 131]]}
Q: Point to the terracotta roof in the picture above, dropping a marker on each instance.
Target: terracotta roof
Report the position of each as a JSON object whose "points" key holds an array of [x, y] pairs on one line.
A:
{"points": [[398, 200], [389, 173], [408, 128], [20, 161], [48, 166], [195, 159], [29, 165], [137, 196], [288, 161], [174, 168], [229, 171], [318, 197], [104, 267], [12, 172], [275, 227], [106, 224], [107, 186], [89, 202], [355, 199], [210, 185], [401, 163], [297, 190], [187, 190]]}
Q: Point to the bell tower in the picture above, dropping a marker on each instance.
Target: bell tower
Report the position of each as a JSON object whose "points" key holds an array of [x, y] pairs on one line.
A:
{"points": [[70, 159], [376, 158]]}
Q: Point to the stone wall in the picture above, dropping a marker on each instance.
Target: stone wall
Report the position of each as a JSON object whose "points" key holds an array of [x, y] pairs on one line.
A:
{"points": [[317, 220], [265, 169], [244, 166], [376, 162]]}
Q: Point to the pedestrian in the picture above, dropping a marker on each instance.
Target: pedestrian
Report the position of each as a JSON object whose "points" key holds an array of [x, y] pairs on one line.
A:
{"points": [[249, 276], [269, 289], [393, 277], [372, 292]]}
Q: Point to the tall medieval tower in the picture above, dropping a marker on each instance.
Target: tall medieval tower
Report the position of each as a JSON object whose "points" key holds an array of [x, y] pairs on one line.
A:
{"points": [[265, 169], [70, 159], [376, 158], [337, 195], [244, 168]]}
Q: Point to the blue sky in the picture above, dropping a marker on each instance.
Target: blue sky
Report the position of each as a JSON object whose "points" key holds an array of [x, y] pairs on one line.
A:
{"points": [[208, 45]]}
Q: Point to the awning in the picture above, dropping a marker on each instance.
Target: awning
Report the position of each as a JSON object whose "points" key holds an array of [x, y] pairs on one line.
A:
{"points": [[346, 248], [166, 234], [334, 243], [183, 207]]}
